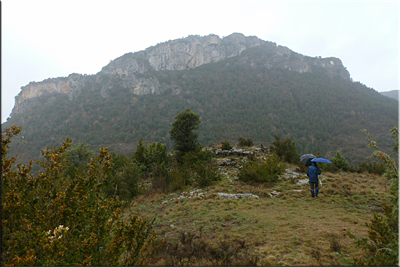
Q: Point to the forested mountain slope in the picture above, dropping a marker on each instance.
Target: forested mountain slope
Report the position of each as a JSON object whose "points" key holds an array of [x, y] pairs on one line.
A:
{"points": [[392, 94], [257, 92]]}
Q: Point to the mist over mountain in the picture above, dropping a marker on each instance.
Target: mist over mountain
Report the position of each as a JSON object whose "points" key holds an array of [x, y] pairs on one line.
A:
{"points": [[240, 86]]}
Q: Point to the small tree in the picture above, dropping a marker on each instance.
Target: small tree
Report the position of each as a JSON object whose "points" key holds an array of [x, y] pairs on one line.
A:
{"points": [[340, 162], [285, 149], [138, 155], [54, 219], [78, 158], [182, 132], [245, 141], [226, 145], [268, 171]]}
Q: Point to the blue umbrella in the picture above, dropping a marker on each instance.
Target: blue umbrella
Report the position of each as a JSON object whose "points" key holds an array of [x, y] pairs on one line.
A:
{"points": [[322, 160]]}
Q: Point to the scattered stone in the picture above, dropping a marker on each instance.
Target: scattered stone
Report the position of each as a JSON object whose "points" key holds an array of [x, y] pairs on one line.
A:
{"points": [[303, 181], [236, 196], [184, 195], [226, 162], [273, 194]]}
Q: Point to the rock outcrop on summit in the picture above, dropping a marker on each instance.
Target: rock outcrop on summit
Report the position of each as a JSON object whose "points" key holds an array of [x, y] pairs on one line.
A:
{"points": [[174, 55]]}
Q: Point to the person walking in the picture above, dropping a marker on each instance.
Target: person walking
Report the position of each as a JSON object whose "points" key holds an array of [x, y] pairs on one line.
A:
{"points": [[312, 173]]}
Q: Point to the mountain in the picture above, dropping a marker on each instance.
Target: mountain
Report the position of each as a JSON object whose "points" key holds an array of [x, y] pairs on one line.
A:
{"points": [[392, 94], [240, 86]]}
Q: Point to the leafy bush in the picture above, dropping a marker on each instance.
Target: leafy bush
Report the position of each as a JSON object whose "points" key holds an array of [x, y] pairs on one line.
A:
{"points": [[148, 156], [155, 153], [195, 157], [340, 162], [245, 142], [206, 174], [123, 178], [196, 166], [126, 182], [382, 244], [267, 171], [54, 219], [285, 149], [179, 176], [78, 158], [226, 145], [377, 168]]}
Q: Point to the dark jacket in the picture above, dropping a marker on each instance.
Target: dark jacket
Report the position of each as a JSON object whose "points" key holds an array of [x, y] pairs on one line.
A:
{"points": [[313, 172]]}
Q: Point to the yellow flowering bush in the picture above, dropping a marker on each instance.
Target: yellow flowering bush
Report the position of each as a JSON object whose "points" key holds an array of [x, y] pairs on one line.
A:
{"points": [[53, 219]]}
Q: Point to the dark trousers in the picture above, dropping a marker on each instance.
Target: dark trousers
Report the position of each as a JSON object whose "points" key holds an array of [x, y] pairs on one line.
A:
{"points": [[312, 185]]}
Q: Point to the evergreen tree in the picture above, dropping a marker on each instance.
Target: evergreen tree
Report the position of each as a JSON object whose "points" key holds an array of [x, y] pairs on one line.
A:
{"points": [[285, 149], [182, 132]]}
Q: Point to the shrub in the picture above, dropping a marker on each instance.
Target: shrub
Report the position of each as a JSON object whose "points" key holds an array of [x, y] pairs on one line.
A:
{"points": [[382, 244], [340, 162], [285, 149], [78, 158], [267, 171], [54, 219], [245, 142], [226, 145], [377, 168], [123, 178], [148, 156], [126, 182], [206, 174], [195, 157], [193, 249], [179, 176]]}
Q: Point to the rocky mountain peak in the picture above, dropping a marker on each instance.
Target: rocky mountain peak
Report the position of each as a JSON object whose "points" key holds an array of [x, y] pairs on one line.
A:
{"points": [[181, 54], [176, 55]]}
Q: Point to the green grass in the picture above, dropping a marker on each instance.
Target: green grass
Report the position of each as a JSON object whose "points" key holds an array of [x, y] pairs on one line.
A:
{"points": [[290, 229]]}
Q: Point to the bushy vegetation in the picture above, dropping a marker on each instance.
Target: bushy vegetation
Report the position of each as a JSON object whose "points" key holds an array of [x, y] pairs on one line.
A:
{"points": [[285, 149], [340, 162], [183, 132], [70, 213], [382, 244], [226, 145], [374, 167], [195, 168], [55, 219], [149, 156], [192, 249], [256, 171], [245, 141]]}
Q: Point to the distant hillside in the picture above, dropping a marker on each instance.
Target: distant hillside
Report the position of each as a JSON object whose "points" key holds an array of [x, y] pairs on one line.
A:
{"points": [[240, 86], [392, 94]]}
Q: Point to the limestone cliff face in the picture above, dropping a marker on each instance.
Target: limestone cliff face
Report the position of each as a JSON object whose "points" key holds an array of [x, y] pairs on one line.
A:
{"points": [[70, 85], [175, 55], [182, 54]]}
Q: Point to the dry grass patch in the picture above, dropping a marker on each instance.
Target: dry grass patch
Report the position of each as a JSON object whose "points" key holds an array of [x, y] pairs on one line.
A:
{"points": [[291, 229]]}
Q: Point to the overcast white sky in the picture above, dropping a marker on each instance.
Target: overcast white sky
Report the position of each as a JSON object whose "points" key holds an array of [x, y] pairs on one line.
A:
{"points": [[48, 39]]}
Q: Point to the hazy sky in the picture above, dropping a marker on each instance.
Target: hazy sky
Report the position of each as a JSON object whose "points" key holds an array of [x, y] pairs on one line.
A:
{"points": [[48, 39]]}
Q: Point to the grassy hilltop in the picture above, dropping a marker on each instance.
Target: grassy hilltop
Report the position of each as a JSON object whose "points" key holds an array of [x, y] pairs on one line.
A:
{"points": [[284, 226]]}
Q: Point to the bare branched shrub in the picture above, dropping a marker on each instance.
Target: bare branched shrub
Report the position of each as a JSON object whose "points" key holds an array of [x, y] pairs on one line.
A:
{"points": [[334, 242], [316, 254]]}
